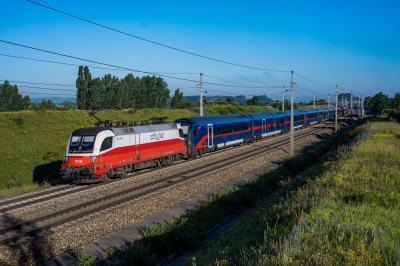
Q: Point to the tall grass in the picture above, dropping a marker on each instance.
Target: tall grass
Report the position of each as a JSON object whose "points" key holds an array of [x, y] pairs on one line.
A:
{"points": [[344, 211]]}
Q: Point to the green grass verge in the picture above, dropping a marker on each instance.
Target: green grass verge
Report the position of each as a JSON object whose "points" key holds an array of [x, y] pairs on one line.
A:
{"points": [[185, 233], [344, 211]]}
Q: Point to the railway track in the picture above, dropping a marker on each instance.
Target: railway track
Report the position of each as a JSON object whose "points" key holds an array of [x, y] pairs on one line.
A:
{"points": [[34, 198], [24, 201], [34, 226]]}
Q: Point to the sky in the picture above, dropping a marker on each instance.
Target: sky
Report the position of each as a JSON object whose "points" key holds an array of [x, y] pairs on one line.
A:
{"points": [[352, 44]]}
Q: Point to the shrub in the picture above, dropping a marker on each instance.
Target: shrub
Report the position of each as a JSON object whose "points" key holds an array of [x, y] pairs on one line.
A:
{"points": [[17, 181]]}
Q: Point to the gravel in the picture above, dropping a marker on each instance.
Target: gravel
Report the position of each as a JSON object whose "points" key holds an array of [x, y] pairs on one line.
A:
{"points": [[86, 229]]}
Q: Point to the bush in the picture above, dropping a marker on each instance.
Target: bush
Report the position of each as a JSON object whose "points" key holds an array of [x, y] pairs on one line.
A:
{"points": [[17, 181]]}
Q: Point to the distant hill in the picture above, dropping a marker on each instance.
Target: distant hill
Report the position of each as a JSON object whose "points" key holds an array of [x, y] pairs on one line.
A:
{"points": [[241, 99], [54, 99]]}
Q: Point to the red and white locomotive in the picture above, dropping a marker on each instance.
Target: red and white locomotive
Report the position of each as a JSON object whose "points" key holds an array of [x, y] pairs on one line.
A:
{"points": [[95, 154]]}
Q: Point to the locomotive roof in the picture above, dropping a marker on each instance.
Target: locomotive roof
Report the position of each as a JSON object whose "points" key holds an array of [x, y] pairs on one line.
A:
{"points": [[144, 128], [89, 131], [92, 131]]}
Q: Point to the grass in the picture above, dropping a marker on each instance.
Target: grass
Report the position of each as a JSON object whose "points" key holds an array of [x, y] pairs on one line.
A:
{"points": [[343, 211], [185, 233]]}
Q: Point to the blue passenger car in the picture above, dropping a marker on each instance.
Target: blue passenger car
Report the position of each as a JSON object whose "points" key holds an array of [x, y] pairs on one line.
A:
{"points": [[312, 116], [206, 133], [299, 118]]}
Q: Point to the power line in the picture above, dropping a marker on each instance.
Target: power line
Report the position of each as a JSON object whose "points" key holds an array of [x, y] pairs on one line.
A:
{"points": [[46, 93], [62, 63], [313, 81], [46, 88], [129, 69], [153, 42], [248, 86], [105, 87]]}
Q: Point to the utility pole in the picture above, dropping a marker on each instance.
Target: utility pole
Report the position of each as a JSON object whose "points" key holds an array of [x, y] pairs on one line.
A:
{"points": [[336, 111], [328, 99], [359, 104], [351, 107], [201, 94], [291, 117], [314, 99], [283, 98], [362, 106]]}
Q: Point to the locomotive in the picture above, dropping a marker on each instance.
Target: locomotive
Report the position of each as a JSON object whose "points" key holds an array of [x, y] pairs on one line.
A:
{"points": [[96, 154]]}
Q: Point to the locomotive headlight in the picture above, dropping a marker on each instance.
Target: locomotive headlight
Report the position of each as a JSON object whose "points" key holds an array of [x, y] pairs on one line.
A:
{"points": [[93, 159]]}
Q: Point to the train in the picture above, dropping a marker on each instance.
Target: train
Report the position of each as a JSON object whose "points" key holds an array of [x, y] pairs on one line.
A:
{"points": [[111, 150]]}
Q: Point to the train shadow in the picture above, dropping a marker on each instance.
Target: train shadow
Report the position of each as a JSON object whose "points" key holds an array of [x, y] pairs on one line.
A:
{"points": [[28, 251], [49, 173]]}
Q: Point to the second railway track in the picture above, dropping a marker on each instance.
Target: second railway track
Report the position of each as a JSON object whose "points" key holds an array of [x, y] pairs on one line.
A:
{"points": [[31, 227], [64, 190]]}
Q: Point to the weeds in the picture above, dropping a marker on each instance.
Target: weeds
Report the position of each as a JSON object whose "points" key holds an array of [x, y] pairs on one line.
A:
{"points": [[343, 211], [17, 181], [83, 258]]}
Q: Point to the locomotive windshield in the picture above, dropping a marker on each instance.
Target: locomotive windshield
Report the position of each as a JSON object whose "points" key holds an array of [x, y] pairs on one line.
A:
{"points": [[81, 144]]}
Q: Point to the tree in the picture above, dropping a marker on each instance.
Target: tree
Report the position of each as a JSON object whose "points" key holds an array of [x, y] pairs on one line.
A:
{"points": [[177, 100], [396, 102], [47, 104], [379, 103], [252, 101], [229, 99], [11, 99], [69, 105], [277, 104], [366, 101], [81, 93]]}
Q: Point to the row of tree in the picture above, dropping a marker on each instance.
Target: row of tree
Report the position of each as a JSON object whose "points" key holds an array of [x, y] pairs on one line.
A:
{"points": [[129, 92]]}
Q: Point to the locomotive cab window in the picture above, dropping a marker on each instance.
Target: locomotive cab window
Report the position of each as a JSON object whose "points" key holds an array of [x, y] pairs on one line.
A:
{"points": [[107, 144], [81, 144], [196, 131], [181, 133]]}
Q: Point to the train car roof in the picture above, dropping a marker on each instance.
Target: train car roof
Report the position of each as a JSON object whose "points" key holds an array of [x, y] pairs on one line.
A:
{"points": [[265, 114], [295, 112], [214, 118], [311, 111]]}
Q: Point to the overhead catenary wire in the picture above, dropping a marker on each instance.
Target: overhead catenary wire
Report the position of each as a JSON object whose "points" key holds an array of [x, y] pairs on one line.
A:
{"points": [[70, 64], [46, 93], [156, 43], [129, 69]]}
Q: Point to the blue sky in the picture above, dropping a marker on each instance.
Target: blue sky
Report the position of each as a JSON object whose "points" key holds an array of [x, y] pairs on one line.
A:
{"points": [[352, 44]]}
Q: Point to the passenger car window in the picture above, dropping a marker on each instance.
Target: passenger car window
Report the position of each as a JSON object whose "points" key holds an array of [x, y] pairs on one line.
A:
{"points": [[223, 130], [107, 143]]}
